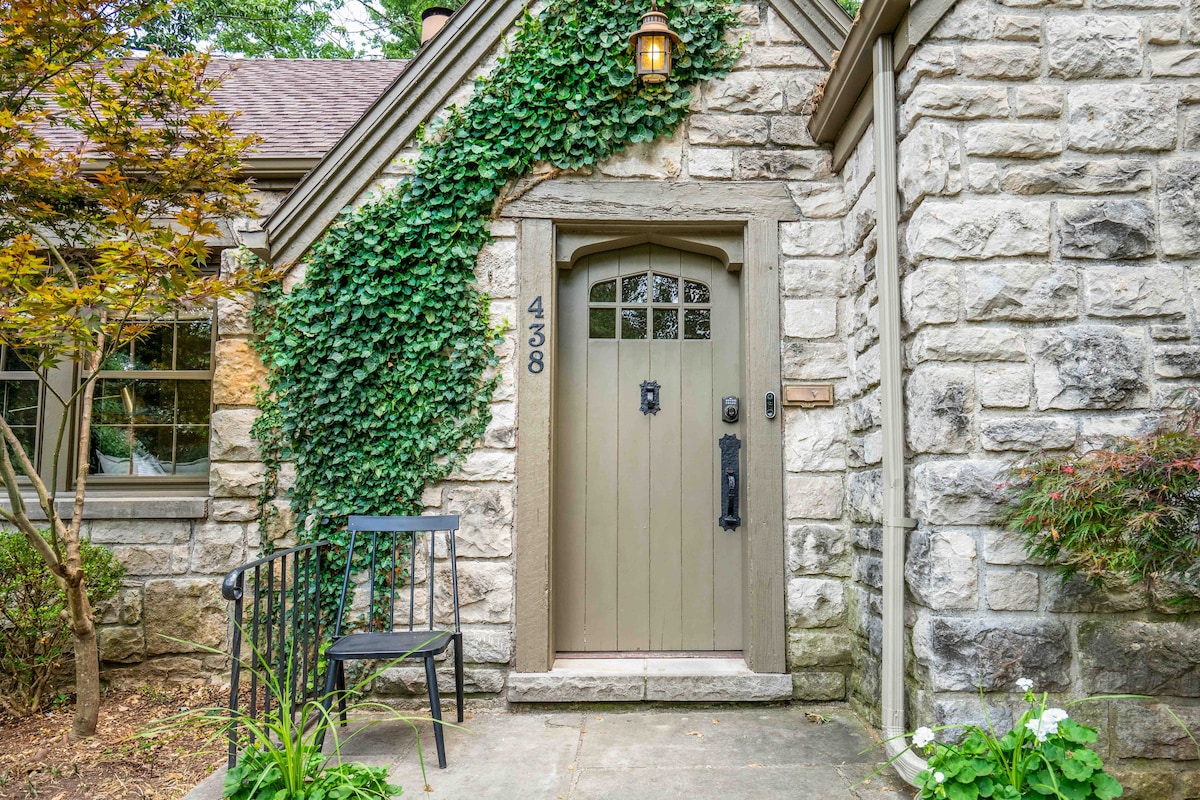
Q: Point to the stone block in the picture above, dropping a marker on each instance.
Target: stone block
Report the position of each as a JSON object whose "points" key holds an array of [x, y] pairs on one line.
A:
{"points": [[725, 130], [1001, 62], [777, 56], [1025, 434], [1133, 656], [930, 61], [931, 295], [662, 158], [967, 344], [956, 492], [1014, 140], [147, 532], [1004, 548], [818, 200], [813, 496], [1078, 595], [1089, 367], [1079, 177], [966, 20], [821, 648], [496, 268], [501, 432], [145, 560], [487, 465], [1107, 118], [1164, 29], [817, 550], [230, 438], [1090, 46], [940, 401], [789, 131], [818, 686], [119, 643], [1170, 333], [238, 372], [233, 315], [956, 102], [1179, 206], [928, 162], [810, 278], [486, 518], [1175, 64], [1020, 292], [1012, 590], [1177, 361], [234, 510], [746, 92], [983, 178], [487, 646], [793, 165], [190, 611], [236, 479], [811, 238], [865, 492], [941, 569], [710, 162], [1003, 387], [762, 687], [1124, 292], [1106, 229], [1017, 28], [815, 603], [810, 318], [409, 681], [978, 229], [816, 442], [967, 654], [1142, 784], [1150, 730], [546, 688], [485, 592], [815, 361], [1041, 102]]}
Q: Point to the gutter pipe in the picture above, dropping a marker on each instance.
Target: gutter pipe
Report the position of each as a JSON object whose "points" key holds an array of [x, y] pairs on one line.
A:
{"points": [[895, 524]]}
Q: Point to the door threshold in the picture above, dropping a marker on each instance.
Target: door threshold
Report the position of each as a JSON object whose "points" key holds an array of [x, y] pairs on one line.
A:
{"points": [[607, 654], [642, 677]]}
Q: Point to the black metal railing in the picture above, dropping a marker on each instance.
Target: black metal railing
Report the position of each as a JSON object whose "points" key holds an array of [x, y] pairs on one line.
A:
{"points": [[276, 634]]}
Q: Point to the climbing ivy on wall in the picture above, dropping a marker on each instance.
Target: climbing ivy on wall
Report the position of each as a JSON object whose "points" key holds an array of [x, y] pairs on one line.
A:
{"points": [[379, 361]]}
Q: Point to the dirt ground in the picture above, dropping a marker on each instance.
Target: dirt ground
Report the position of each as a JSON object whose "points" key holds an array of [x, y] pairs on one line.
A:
{"points": [[39, 760]]}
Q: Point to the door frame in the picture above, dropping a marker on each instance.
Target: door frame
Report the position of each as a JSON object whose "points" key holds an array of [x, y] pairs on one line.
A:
{"points": [[608, 215]]}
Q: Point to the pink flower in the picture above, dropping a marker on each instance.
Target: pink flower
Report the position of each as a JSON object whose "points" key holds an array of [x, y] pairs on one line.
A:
{"points": [[1056, 495]]}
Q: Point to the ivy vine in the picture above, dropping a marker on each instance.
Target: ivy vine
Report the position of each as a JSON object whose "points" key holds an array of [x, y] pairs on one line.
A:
{"points": [[381, 363]]}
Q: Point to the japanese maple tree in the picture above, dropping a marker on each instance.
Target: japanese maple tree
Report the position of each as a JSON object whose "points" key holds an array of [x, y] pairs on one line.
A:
{"points": [[114, 171]]}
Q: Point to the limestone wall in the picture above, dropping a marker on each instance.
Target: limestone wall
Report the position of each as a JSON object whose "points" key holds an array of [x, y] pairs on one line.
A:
{"points": [[1049, 185]]}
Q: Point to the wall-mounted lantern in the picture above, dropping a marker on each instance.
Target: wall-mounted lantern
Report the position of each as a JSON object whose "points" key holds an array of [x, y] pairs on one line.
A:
{"points": [[653, 44]]}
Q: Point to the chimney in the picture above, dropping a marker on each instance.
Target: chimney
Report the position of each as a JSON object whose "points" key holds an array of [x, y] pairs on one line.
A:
{"points": [[433, 20]]}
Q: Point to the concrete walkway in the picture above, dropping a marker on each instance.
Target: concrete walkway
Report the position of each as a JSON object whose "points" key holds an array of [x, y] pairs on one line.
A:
{"points": [[809, 752]]}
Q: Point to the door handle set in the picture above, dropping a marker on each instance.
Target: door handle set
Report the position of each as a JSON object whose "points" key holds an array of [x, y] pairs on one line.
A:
{"points": [[730, 520]]}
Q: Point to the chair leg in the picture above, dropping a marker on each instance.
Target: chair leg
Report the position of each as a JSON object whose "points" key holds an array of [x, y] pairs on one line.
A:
{"points": [[435, 709], [458, 673], [341, 685], [327, 700]]}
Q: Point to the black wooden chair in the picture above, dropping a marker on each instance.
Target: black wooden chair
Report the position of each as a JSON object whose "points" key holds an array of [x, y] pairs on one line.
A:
{"points": [[389, 546]]}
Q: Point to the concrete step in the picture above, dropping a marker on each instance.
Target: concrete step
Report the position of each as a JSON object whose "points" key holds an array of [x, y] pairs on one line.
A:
{"points": [[679, 680]]}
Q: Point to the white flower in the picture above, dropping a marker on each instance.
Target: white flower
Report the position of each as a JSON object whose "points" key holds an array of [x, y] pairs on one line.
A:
{"points": [[1054, 715], [922, 737], [939, 777], [1048, 724], [1024, 684]]}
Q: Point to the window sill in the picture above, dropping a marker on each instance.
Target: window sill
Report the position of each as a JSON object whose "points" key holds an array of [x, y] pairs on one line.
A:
{"points": [[126, 507]]}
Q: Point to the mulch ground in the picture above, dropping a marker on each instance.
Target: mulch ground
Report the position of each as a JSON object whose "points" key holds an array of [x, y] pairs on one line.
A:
{"points": [[39, 760]]}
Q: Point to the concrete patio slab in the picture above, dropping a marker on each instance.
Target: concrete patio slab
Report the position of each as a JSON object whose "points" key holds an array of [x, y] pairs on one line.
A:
{"points": [[634, 752]]}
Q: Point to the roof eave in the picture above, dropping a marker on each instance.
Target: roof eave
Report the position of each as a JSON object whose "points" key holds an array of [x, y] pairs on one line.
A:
{"points": [[822, 24]]}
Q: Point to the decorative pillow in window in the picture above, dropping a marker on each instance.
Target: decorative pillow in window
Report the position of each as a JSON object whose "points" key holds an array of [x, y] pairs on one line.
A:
{"points": [[197, 467], [142, 465]]}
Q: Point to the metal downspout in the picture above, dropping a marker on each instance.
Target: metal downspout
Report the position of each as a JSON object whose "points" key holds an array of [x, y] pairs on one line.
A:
{"points": [[895, 524]]}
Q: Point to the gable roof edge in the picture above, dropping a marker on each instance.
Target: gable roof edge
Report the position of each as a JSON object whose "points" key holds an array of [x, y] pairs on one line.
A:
{"points": [[820, 23], [910, 20], [421, 90]]}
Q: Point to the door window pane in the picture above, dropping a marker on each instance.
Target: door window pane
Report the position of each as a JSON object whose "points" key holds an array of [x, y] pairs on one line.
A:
{"points": [[604, 292], [633, 323], [697, 324], [666, 323], [695, 292], [602, 323], [666, 289], [633, 289]]}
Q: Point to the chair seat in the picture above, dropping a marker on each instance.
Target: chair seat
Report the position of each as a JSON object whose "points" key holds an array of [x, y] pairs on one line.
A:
{"points": [[389, 644]]}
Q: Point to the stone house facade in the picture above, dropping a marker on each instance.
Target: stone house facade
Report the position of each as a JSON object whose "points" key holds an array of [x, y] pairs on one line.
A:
{"points": [[974, 235]]}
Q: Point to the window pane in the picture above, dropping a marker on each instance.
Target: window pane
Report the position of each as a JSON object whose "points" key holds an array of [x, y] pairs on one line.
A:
{"points": [[111, 449], [697, 324], [666, 323], [21, 402], [19, 361], [695, 292], [113, 402], [152, 350], [633, 323], [604, 292], [633, 289], [153, 402], [152, 450], [194, 339], [191, 450], [602, 323], [195, 401], [666, 289]]}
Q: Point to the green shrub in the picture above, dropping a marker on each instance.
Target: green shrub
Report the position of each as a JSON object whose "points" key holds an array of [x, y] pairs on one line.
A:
{"points": [[1130, 511], [33, 618]]}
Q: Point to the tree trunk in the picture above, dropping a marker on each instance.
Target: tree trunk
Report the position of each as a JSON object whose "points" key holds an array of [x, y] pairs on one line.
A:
{"points": [[87, 659]]}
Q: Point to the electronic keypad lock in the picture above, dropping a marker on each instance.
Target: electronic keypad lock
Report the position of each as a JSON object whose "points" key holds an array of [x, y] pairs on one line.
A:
{"points": [[729, 409]]}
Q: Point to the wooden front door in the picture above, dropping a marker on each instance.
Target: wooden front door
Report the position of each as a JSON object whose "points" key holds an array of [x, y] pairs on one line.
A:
{"points": [[649, 346]]}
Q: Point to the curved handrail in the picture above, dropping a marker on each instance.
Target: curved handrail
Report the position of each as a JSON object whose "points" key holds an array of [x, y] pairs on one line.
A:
{"points": [[232, 585]]}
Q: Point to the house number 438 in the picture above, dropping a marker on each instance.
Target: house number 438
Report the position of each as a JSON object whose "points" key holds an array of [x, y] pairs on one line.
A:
{"points": [[537, 357]]}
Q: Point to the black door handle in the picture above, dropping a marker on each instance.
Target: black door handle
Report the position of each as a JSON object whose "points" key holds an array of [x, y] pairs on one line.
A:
{"points": [[730, 472]]}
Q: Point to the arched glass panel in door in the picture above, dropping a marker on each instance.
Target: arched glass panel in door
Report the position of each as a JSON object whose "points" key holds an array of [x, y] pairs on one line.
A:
{"points": [[649, 306]]}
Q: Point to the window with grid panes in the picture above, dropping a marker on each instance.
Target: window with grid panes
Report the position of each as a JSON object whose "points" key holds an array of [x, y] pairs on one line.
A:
{"points": [[21, 396]]}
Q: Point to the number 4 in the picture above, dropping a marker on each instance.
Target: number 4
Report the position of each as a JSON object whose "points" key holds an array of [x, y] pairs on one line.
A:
{"points": [[535, 308]]}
